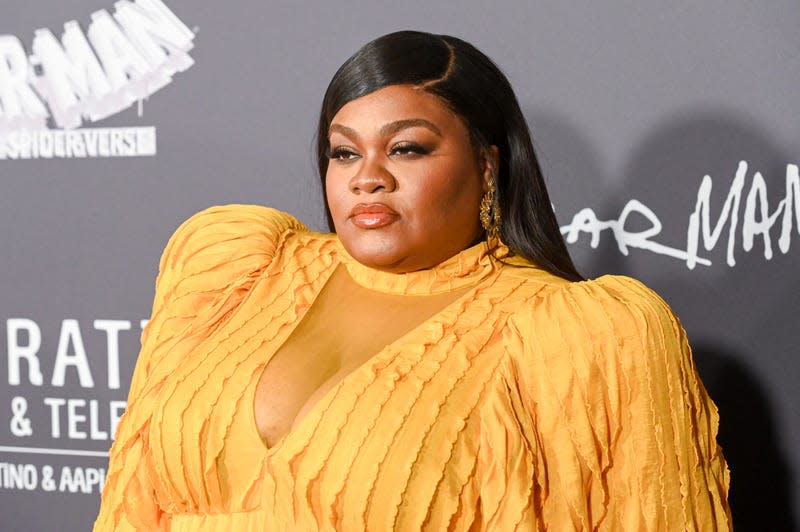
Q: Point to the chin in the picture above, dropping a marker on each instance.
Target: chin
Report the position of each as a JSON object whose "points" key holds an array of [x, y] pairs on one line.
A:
{"points": [[381, 259], [375, 251]]}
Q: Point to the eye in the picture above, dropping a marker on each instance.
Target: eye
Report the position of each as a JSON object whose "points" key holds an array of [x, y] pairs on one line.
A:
{"points": [[408, 149], [342, 154]]}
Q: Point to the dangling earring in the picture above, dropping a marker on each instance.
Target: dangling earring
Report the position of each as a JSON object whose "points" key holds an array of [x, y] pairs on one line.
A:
{"points": [[490, 211]]}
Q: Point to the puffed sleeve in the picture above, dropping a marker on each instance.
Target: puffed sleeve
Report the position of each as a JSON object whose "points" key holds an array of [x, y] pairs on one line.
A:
{"points": [[624, 429], [207, 266]]}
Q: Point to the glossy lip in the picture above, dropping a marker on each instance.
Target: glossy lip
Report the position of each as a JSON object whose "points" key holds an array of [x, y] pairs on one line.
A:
{"points": [[372, 215]]}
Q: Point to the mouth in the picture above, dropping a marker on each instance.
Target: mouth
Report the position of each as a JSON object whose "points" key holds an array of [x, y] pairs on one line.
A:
{"points": [[372, 215]]}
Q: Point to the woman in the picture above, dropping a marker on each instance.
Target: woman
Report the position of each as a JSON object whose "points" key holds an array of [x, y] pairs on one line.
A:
{"points": [[435, 364]]}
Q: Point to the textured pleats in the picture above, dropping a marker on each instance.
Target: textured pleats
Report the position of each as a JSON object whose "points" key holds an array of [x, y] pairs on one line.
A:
{"points": [[529, 403]]}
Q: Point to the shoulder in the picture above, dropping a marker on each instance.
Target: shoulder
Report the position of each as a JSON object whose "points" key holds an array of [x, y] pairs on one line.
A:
{"points": [[611, 304], [208, 265], [215, 251], [600, 346], [609, 321], [226, 232], [538, 294]]}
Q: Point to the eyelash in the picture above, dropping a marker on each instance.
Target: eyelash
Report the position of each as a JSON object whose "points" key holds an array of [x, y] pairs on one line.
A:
{"points": [[340, 154], [403, 149], [408, 148]]}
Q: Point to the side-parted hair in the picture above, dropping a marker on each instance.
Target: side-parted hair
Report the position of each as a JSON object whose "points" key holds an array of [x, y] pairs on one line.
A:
{"points": [[475, 89]]}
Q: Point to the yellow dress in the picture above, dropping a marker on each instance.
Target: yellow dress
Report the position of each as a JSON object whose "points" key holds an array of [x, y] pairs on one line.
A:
{"points": [[528, 403]]}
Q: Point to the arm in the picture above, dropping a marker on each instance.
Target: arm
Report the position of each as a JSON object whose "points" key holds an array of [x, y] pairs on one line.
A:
{"points": [[626, 428], [208, 263]]}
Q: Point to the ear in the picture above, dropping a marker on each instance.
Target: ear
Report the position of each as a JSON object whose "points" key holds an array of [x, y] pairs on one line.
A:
{"points": [[489, 164]]}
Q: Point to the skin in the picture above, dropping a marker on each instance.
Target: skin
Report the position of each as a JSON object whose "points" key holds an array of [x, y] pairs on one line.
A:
{"points": [[406, 161]]}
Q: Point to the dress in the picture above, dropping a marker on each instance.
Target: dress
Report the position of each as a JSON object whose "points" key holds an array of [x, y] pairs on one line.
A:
{"points": [[529, 403]]}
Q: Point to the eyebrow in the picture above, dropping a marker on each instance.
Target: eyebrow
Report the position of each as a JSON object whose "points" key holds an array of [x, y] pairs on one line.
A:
{"points": [[389, 129]]}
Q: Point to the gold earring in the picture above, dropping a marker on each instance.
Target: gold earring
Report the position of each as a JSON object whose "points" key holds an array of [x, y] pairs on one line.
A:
{"points": [[490, 211]]}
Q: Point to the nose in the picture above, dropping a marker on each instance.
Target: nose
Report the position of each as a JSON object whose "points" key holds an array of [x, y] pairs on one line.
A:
{"points": [[372, 177]]}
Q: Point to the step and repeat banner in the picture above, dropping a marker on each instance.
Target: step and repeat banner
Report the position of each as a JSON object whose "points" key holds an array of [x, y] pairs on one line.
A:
{"points": [[669, 134]]}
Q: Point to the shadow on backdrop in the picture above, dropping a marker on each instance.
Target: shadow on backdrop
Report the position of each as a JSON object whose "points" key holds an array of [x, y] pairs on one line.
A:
{"points": [[760, 494], [573, 169]]}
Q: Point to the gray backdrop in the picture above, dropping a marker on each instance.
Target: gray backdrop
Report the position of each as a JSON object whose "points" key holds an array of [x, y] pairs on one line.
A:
{"points": [[627, 100]]}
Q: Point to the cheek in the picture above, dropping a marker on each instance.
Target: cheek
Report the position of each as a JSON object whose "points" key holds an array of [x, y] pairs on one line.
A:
{"points": [[456, 191], [333, 194]]}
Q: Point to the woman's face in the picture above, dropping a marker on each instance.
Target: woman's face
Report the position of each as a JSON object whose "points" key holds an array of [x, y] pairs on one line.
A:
{"points": [[404, 182]]}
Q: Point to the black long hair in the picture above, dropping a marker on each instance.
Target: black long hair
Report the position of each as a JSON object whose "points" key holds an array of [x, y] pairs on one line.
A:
{"points": [[475, 89]]}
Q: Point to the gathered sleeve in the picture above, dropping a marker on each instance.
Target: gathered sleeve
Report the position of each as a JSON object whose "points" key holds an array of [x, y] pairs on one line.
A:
{"points": [[624, 430], [207, 266]]}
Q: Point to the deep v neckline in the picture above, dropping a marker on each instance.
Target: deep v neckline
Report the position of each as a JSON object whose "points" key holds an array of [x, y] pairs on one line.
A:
{"points": [[462, 272]]}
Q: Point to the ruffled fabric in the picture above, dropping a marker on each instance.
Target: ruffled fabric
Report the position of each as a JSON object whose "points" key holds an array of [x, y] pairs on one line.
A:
{"points": [[529, 403], [462, 270]]}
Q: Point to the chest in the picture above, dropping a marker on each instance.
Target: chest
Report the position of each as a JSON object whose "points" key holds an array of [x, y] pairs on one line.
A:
{"points": [[345, 327], [364, 402]]}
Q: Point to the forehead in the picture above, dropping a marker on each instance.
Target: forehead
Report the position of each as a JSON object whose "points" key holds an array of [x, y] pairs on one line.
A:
{"points": [[397, 102]]}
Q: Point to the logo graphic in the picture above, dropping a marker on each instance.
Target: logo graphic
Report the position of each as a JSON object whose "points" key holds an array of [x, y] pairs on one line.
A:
{"points": [[122, 59], [757, 221]]}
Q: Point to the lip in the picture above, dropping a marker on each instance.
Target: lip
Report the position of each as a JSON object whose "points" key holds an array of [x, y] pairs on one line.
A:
{"points": [[372, 215]]}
